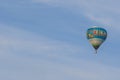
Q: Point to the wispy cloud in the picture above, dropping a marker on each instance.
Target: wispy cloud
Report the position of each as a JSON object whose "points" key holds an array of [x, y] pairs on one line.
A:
{"points": [[25, 55], [15, 44], [103, 12], [14, 38]]}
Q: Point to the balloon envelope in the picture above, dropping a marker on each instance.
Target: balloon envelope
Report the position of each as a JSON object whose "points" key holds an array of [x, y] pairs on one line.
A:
{"points": [[96, 36]]}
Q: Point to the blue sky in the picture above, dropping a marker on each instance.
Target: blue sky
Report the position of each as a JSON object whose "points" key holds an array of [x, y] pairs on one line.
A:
{"points": [[46, 40]]}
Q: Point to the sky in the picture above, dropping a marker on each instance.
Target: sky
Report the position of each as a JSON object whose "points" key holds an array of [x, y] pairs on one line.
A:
{"points": [[46, 40]]}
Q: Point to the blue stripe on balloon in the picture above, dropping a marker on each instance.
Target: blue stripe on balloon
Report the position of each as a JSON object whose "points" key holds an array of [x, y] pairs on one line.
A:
{"points": [[90, 31]]}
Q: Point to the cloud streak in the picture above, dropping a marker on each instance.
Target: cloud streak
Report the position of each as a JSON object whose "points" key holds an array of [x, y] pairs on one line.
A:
{"points": [[28, 56], [15, 44], [103, 12]]}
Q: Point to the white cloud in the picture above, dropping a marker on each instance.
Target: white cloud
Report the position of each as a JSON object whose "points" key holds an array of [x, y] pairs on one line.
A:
{"points": [[105, 12], [17, 46], [12, 39], [14, 43]]}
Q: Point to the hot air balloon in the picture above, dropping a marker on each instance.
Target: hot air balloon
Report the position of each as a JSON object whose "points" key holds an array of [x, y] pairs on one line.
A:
{"points": [[96, 36]]}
